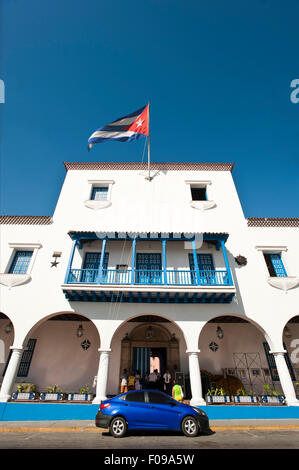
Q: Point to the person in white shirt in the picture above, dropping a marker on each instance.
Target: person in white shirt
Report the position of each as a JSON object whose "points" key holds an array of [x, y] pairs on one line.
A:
{"points": [[167, 382]]}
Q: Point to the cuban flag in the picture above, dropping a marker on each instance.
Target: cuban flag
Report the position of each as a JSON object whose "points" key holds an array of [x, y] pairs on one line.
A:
{"points": [[124, 129]]}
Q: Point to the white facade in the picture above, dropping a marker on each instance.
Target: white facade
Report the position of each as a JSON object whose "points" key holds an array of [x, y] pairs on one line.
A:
{"points": [[161, 209]]}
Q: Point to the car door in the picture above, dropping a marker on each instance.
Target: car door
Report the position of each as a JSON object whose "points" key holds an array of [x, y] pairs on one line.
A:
{"points": [[135, 409], [164, 413]]}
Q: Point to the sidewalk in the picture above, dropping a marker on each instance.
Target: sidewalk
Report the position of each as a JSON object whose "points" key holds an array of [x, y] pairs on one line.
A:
{"points": [[89, 425]]}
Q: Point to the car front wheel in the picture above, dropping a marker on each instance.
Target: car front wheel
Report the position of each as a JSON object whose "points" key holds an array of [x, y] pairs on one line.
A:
{"points": [[118, 427], [190, 426]]}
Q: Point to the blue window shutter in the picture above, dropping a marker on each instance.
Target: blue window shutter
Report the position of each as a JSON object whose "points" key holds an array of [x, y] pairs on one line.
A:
{"points": [[7, 362], [278, 265], [26, 358], [20, 262], [92, 260], [205, 262], [272, 364]]}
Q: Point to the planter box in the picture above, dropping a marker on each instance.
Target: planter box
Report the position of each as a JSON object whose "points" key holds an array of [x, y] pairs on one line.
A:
{"points": [[80, 396], [218, 398], [272, 399], [51, 396], [245, 399], [23, 396]]}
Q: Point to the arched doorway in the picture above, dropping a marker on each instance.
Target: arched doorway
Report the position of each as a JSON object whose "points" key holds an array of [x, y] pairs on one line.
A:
{"points": [[6, 340], [291, 345], [234, 355], [147, 342], [65, 353], [150, 346]]}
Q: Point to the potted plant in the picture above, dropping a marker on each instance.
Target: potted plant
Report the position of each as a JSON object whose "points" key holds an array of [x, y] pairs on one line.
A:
{"points": [[25, 391], [52, 393], [217, 395], [83, 395], [244, 396], [271, 396]]}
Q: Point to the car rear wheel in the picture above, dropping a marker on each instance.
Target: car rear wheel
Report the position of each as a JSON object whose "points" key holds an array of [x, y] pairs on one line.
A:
{"points": [[118, 427], [190, 426]]}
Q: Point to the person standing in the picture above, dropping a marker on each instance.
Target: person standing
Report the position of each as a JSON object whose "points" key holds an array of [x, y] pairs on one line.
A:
{"points": [[138, 380], [152, 379], [177, 392], [124, 382], [131, 381], [167, 382]]}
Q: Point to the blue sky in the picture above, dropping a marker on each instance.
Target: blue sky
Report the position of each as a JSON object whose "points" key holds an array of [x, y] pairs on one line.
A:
{"points": [[217, 74]]}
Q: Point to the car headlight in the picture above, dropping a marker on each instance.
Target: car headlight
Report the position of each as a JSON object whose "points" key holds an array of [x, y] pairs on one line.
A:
{"points": [[199, 411]]}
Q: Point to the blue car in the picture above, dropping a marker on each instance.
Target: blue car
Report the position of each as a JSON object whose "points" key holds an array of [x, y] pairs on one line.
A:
{"points": [[150, 409]]}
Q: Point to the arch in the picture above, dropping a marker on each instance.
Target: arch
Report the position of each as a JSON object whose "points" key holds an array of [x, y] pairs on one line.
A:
{"points": [[6, 339], [234, 353], [168, 341], [66, 313], [146, 314], [60, 356], [242, 318]]}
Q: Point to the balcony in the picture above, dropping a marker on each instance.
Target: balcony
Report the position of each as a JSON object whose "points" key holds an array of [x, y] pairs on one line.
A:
{"points": [[164, 285]]}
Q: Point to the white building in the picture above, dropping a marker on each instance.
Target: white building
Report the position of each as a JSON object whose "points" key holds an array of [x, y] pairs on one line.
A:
{"points": [[168, 268]]}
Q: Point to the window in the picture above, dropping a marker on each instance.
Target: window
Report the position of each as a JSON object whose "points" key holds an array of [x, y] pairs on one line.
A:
{"points": [[99, 193], [272, 363], [158, 398], [205, 262], [199, 194], [20, 262], [25, 361], [136, 397], [275, 265]]}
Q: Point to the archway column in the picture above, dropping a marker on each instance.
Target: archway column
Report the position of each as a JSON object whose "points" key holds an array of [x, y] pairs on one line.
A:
{"points": [[195, 379], [102, 377], [285, 378], [10, 374]]}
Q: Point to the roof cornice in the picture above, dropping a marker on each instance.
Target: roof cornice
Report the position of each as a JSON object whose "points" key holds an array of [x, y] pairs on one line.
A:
{"points": [[175, 166], [25, 220], [272, 222]]}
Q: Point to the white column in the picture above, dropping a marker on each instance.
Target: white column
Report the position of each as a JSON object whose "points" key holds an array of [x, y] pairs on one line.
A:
{"points": [[10, 374], [102, 377], [285, 378], [195, 379]]}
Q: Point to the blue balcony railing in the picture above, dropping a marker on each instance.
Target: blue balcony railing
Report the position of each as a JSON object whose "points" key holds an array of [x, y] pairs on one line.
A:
{"points": [[149, 277]]}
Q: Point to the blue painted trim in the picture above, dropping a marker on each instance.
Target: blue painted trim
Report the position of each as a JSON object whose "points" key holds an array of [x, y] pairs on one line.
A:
{"points": [[103, 251], [164, 261], [229, 274], [133, 260], [69, 266], [195, 261]]}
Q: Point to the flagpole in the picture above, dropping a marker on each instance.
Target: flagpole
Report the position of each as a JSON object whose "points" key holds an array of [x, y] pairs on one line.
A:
{"points": [[149, 178]]}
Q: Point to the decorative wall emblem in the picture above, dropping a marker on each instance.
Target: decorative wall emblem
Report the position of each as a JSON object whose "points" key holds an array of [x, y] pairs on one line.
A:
{"points": [[85, 344], [213, 346], [241, 260]]}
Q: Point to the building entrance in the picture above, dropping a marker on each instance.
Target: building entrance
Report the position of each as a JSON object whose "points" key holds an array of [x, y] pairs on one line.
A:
{"points": [[149, 347]]}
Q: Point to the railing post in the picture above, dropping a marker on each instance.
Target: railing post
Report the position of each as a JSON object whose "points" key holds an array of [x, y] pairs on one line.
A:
{"points": [[195, 261], [229, 274], [133, 261], [69, 266], [100, 271], [164, 261]]}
